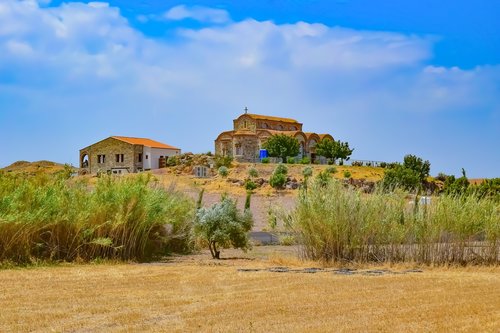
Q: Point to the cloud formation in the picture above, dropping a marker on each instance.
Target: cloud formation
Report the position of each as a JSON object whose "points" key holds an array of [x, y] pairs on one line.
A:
{"points": [[198, 13], [81, 72]]}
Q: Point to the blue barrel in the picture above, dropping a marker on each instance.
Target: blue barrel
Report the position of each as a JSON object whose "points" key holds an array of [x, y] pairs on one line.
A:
{"points": [[263, 153]]}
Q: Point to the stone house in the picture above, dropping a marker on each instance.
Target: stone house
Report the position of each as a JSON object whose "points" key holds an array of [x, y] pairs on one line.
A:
{"points": [[250, 131], [120, 154]]}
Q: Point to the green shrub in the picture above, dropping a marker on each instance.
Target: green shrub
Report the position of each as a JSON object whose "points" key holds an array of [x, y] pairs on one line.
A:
{"points": [[399, 176], [307, 172], [265, 160], [383, 165], [441, 176], [347, 174], [323, 178], [290, 160], [250, 185], [225, 161], [331, 170], [253, 173], [282, 169], [305, 160], [277, 180], [173, 161], [223, 171]]}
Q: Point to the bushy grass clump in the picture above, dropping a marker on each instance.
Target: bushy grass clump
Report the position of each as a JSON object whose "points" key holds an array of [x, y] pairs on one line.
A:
{"points": [[334, 223], [55, 219]]}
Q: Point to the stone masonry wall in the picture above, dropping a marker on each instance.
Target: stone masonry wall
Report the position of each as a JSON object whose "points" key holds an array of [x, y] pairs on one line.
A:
{"points": [[249, 148], [110, 147]]}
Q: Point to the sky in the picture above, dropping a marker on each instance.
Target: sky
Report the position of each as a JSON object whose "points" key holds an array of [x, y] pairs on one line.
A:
{"points": [[389, 77]]}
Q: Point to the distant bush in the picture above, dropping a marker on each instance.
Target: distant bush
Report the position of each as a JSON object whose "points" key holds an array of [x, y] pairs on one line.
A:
{"points": [[410, 175], [399, 176], [382, 164], [290, 160], [441, 176], [223, 171], [253, 173], [347, 174], [265, 160], [281, 168], [225, 161], [278, 178], [489, 188], [323, 178], [250, 185], [331, 170], [307, 172], [357, 163], [173, 161], [456, 186], [305, 160]]}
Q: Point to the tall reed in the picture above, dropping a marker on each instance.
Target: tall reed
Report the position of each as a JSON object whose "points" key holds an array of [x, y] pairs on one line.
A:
{"points": [[47, 218], [342, 224]]}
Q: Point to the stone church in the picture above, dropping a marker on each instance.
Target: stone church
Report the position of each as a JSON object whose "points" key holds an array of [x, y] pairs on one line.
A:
{"points": [[250, 131]]}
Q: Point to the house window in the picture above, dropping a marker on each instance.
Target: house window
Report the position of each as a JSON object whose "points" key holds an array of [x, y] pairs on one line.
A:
{"points": [[147, 156], [119, 158], [139, 157], [101, 159]]}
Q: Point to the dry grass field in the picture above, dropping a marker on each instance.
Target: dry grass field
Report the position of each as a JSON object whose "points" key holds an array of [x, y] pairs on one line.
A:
{"points": [[196, 294]]}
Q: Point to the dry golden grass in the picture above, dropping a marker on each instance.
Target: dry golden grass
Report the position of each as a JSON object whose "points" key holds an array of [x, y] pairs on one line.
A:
{"points": [[212, 296]]}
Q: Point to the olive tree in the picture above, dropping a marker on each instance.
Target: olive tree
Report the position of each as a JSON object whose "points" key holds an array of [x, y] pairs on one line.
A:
{"points": [[283, 146], [333, 149], [223, 225]]}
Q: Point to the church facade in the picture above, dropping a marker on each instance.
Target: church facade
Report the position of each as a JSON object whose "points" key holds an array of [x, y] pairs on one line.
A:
{"points": [[250, 131]]}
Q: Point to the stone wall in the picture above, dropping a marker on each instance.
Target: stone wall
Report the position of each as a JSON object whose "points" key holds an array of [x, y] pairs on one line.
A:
{"points": [[109, 148], [249, 148]]}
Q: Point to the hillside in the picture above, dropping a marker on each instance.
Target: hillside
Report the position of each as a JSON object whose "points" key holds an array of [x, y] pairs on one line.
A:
{"points": [[34, 167], [182, 176]]}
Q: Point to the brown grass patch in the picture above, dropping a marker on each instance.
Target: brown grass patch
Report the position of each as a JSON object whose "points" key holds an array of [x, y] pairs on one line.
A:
{"points": [[194, 294]]}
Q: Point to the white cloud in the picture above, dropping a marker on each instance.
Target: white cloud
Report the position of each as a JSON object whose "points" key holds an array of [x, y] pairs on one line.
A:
{"points": [[198, 13], [82, 72]]}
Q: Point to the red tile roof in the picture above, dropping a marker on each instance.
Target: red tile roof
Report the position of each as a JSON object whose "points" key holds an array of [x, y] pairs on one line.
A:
{"points": [[145, 142], [262, 117]]}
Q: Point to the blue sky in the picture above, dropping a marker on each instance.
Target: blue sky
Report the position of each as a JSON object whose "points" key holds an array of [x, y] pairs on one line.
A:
{"points": [[389, 77]]}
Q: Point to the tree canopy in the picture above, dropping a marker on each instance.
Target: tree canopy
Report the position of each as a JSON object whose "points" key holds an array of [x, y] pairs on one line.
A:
{"points": [[283, 146], [410, 175], [334, 149], [223, 225]]}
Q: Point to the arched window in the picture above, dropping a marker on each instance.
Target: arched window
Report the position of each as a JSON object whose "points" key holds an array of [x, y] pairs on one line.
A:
{"points": [[84, 163]]}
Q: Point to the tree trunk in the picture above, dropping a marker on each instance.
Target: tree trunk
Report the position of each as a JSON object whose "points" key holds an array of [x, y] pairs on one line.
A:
{"points": [[213, 250]]}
